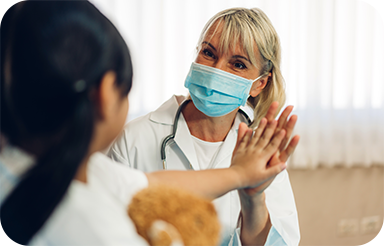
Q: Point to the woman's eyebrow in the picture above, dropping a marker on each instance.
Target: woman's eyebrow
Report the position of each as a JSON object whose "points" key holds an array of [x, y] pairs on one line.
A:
{"points": [[238, 56], [235, 56], [205, 42]]}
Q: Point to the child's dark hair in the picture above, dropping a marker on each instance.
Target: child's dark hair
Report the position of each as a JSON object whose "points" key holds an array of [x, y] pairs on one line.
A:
{"points": [[53, 55]]}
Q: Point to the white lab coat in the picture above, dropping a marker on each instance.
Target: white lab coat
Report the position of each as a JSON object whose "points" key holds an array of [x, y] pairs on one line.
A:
{"points": [[139, 147], [94, 213]]}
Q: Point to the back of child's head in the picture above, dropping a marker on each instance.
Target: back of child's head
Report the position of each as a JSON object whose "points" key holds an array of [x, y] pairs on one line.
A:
{"points": [[53, 55]]}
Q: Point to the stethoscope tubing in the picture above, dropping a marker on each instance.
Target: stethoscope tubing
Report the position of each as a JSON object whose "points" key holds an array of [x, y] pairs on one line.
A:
{"points": [[172, 135], [176, 122]]}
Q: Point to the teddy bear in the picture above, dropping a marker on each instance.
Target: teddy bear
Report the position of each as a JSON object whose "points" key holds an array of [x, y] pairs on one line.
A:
{"points": [[165, 215]]}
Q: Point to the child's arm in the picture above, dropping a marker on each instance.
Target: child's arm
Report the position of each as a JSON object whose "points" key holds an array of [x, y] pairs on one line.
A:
{"points": [[248, 169]]}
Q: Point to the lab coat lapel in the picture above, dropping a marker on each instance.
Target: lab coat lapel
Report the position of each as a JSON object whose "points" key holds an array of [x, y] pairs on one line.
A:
{"points": [[184, 140], [165, 114]]}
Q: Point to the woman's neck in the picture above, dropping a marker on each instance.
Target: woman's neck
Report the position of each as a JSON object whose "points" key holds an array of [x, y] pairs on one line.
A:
{"points": [[210, 129]]}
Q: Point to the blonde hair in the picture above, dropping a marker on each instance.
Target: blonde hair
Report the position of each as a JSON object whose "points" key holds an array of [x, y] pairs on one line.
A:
{"points": [[249, 27]]}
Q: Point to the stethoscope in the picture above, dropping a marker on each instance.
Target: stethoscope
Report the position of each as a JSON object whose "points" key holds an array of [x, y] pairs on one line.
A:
{"points": [[175, 123]]}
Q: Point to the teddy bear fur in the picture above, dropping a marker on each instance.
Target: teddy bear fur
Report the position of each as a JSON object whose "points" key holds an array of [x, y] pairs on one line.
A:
{"points": [[194, 218]]}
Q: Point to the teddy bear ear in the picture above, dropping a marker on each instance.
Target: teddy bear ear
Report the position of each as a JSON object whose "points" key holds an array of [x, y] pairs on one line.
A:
{"points": [[161, 233]]}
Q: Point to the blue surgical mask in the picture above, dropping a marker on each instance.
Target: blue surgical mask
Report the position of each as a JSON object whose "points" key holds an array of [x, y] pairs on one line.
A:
{"points": [[216, 92]]}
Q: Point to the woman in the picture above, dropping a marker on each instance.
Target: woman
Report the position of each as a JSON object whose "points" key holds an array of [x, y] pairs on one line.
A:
{"points": [[238, 60], [66, 73]]}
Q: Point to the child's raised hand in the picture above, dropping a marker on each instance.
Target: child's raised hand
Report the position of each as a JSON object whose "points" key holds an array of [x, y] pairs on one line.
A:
{"points": [[252, 153]]}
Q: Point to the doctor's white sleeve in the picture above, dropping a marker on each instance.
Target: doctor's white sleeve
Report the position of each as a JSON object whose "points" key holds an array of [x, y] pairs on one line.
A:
{"points": [[273, 239], [282, 212]]}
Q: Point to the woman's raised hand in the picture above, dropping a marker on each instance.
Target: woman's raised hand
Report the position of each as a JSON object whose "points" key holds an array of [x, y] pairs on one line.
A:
{"points": [[288, 125], [284, 150], [253, 151]]}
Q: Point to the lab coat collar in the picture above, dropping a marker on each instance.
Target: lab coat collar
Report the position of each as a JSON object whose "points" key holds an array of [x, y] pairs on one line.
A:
{"points": [[184, 140], [165, 114]]}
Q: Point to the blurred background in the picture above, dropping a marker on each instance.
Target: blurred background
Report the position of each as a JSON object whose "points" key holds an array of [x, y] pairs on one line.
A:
{"points": [[333, 65]]}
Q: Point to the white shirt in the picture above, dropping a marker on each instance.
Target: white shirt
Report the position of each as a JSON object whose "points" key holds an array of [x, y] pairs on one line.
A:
{"points": [[206, 152], [92, 213], [139, 147]]}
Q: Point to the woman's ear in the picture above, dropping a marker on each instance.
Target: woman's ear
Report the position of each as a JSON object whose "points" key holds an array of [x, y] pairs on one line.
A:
{"points": [[259, 85], [106, 95]]}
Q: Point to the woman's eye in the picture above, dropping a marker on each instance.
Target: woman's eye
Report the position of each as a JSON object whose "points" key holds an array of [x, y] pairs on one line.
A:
{"points": [[239, 65], [208, 53]]}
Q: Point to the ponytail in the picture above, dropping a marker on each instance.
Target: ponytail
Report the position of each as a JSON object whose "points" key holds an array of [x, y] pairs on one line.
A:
{"points": [[41, 189]]}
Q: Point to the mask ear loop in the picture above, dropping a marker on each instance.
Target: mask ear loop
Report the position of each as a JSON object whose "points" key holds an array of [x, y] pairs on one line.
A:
{"points": [[266, 73], [253, 81], [261, 76]]}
